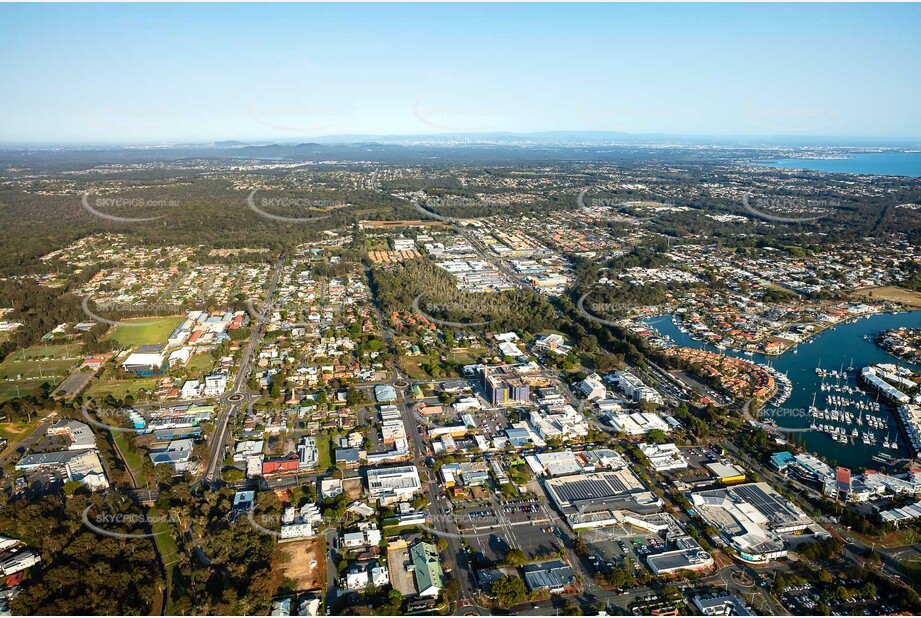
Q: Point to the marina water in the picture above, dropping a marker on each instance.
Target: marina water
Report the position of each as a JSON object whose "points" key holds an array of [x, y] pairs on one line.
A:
{"points": [[842, 346]]}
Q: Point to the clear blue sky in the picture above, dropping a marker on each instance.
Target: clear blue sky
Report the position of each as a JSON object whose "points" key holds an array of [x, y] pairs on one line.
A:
{"points": [[169, 72]]}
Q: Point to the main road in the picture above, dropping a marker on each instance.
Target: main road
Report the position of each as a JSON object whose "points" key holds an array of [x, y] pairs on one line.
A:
{"points": [[239, 395]]}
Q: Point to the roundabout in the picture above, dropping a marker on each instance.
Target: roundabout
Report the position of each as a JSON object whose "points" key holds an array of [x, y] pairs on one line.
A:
{"points": [[742, 579]]}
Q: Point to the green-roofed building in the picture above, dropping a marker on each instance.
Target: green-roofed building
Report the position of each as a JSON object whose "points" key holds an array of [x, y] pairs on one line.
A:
{"points": [[427, 569]]}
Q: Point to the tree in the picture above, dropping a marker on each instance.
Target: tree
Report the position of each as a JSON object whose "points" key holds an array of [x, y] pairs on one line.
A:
{"points": [[868, 590], [509, 591], [71, 487], [353, 397], [515, 557], [619, 577], [571, 609]]}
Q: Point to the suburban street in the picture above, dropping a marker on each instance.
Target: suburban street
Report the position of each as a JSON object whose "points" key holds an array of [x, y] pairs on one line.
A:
{"points": [[239, 396]]}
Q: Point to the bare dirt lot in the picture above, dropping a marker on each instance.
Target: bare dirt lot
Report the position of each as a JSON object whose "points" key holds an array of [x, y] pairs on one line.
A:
{"points": [[352, 488], [302, 563]]}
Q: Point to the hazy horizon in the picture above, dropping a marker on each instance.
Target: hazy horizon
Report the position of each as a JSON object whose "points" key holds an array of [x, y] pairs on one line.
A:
{"points": [[174, 74], [562, 137]]}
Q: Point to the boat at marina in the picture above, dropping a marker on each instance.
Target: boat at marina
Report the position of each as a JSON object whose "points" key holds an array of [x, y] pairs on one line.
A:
{"points": [[822, 368], [883, 458]]}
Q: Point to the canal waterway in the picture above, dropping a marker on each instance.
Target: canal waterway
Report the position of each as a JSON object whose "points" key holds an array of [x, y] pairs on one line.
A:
{"points": [[840, 347]]}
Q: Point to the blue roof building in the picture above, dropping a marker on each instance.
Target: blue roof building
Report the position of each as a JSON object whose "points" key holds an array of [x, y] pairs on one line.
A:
{"points": [[385, 392]]}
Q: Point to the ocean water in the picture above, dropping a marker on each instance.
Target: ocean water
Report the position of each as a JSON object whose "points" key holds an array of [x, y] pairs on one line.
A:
{"points": [[834, 348], [876, 163]]}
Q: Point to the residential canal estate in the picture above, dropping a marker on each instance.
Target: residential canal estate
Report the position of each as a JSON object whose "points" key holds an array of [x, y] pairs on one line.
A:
{"points": [[840, 347]]}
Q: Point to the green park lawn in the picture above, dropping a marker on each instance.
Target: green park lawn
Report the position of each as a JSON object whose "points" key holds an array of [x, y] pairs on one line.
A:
{"points": [[36, 365], [120, 388], [144, 331]]}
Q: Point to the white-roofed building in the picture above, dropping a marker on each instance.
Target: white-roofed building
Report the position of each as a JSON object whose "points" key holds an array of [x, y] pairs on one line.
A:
{"points": [[389, 485], [663, 457]]}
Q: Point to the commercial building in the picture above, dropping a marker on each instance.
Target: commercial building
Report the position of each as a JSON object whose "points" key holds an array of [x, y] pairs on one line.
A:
{"points": [[637, 423], [385, 393], [900, 515], [348, 457], [591, 387], [83, 466], [426, 569], [554, 576], [79, 434], [80, 462], [663, 457], [389, 485], [750, 518], [806, 467], [564, 463], [215, 384], [601, 498], [505, 385], [246, 448], [728, 473], [518, 436], [552, 343], [146, 361], [634, 388], [722, 604], [281, 465], [686, 555], [559, 463], [392, 430], [177, 453]]}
